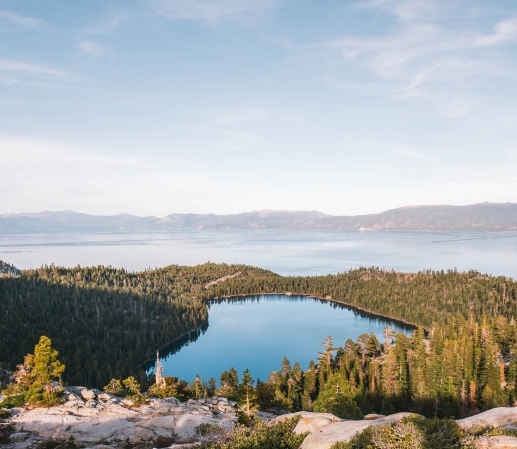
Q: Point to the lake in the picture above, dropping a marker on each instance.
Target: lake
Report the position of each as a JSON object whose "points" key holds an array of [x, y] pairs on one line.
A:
{"points": [[257, 332], [287, 252]]}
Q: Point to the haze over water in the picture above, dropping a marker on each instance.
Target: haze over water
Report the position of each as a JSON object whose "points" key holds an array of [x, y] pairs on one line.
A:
{"points": [[286, 252]]}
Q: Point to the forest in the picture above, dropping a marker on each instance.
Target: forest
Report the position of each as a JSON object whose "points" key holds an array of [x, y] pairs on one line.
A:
{"points": [[107, 323]]}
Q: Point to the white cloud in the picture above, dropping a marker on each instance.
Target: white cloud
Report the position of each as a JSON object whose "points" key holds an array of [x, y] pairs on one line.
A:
{"points": [[504, 31], [404, 10], [92, 48], [16, 19], [432, 54], [38, 175], [28, 68], [113, 21], [213, 10]]}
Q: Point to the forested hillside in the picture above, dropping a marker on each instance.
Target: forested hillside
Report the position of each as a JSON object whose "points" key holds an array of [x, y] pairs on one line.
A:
{"points": [[106, 323]]}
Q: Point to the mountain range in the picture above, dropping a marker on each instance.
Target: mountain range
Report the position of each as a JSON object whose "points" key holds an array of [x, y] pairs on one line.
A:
{"points": [[494, 217]]}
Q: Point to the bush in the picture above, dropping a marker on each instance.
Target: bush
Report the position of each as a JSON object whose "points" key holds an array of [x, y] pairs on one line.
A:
{"points": [[14, 400], [410, 433], [261, 436]]}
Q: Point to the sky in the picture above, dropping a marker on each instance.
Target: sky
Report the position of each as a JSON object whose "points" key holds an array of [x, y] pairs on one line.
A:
{"points": [[153, 107]]}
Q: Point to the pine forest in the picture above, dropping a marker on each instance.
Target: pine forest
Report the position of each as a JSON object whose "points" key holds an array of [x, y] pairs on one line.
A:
{"points": [[108, 323]]}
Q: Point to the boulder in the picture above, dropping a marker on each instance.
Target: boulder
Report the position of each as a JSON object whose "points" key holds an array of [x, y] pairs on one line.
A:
{"points": [[88, 394], [325, 436], [309, 421], [494, 418], [496, 442]]}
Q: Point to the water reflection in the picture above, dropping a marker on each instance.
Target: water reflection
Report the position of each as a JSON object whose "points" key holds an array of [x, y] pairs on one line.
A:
{"points": [[257, 331]]}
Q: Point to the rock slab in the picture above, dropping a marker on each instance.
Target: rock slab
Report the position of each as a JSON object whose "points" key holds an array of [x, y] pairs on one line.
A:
{"points": [[94, 419]]}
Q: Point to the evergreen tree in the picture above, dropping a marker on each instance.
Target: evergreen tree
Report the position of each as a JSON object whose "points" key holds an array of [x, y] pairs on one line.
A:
{"points": [[247, 397], [337, 398], [44, 377]]}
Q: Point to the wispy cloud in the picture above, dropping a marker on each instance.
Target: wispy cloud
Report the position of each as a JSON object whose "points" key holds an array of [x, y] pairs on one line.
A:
{"points": [[92, 48], [17, 19], [112, 22], [426, 50], [29, 68], [504, 31], [213, 10]]}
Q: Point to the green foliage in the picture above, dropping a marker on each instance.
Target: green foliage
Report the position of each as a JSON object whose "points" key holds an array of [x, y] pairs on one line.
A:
{"points": [[262, 436], [337, 398], [173, 388], [207, 429], [88, 312], [36, 379], [14, 400], [410, 433], [209, 433], [461, 360], [4, 413], [115, 387], [247, 398]]}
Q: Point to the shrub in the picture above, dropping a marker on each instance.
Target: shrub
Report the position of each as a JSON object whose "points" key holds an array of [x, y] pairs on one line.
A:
{"points": [[14, 400], [410, 433], [261, 436]]}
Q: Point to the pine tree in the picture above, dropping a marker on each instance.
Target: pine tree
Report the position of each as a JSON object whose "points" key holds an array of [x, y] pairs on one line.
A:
{"points": [[45, 374], [247, 397]]}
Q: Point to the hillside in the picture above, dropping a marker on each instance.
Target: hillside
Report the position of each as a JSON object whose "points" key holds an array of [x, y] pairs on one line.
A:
{"points": [[494, 217], [7, 270]]}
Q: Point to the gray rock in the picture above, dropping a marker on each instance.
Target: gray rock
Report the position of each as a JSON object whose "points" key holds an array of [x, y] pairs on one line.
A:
{"points": [[17, 437], [496, 442], [325, 436], [104, 397], [88, 394], [496, 417], [93, 423], [309, 421]]}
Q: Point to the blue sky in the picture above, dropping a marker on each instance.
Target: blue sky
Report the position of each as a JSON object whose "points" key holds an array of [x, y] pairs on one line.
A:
{"points": [[224, 106]]}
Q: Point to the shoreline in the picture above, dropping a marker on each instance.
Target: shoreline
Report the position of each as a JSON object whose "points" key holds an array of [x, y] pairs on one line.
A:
{"points": [[352, 307]]}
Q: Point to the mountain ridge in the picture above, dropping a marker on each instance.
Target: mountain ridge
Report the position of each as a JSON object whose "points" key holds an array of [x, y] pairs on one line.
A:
{"points": [[494, 217]]}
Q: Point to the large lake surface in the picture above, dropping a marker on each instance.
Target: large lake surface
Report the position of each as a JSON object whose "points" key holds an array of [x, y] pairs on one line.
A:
{"points": [[282, 251], [258, 334]]}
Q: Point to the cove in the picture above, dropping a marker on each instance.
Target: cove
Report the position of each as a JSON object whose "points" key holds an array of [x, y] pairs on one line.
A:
{"points": [[256, 332]]}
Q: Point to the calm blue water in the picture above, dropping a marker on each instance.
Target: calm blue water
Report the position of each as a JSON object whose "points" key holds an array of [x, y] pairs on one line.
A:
{"points": [[283, 251], [258, 332]]}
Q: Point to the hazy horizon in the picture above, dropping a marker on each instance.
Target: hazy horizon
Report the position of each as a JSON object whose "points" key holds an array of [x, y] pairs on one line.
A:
{"points": [[411, 206]]}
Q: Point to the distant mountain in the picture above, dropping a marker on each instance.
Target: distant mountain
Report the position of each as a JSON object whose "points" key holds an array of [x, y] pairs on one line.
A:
{"points": [[495, 217]]}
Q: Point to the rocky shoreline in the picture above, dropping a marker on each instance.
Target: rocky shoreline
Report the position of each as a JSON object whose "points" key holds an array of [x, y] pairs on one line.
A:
{"points": [[90, 418]]}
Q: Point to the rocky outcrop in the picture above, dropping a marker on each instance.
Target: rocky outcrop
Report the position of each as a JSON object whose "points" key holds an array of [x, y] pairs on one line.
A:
{"points": [[496, 442], [98, 420], [500, 417], [325, 429], [93, 418]]}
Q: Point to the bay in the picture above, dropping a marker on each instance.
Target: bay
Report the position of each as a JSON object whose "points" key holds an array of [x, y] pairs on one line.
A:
{"points": [[257, 332]]}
